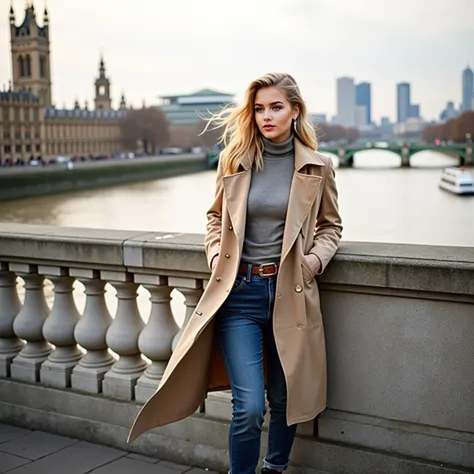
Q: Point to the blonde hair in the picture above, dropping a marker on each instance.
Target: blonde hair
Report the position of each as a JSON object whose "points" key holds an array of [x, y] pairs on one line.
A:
{"points": [[241, 135]]}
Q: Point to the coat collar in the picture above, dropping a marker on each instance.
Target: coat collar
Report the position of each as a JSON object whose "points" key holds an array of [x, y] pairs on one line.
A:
{"points": [[303, 156], [304, 187]]}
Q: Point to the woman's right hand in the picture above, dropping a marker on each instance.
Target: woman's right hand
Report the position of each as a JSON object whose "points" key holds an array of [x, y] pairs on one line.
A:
{"points": [[214, 262]]}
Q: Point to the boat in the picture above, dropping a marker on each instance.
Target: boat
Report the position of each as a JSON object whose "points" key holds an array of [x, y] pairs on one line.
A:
{"points": [[457, 181]]}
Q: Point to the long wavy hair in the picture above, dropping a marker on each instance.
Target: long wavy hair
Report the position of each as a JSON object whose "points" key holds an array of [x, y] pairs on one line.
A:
{"points": [[241, 134]]}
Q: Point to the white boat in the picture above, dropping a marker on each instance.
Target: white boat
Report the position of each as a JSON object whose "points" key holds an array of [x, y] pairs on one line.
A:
{"points": [[457, 181]]}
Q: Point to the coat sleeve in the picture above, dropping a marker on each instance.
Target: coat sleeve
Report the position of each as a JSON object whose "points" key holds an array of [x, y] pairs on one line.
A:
{"points": [[212, 241], [328, 229]]}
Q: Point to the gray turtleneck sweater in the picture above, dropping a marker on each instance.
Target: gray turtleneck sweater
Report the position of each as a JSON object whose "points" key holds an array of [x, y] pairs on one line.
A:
{"points": [[268, 202]]}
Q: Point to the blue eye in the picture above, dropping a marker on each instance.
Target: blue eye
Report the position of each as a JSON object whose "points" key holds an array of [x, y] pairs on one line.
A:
{"points": [[277, 107]]}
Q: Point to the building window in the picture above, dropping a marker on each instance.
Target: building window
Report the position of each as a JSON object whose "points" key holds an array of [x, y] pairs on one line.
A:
{"points": [[27, 134], [42, 66], [17, 134], [6, 134], [38, 148], [28, 148], [37, 134], [21, 68], [36, 115], [17, 114], [7, 148], [28, 66], [5, 114], [18, 148]]}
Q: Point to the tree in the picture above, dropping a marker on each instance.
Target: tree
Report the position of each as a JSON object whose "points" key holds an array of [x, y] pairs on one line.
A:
{"points": [[328, 133], [454, 129], [147, 126]]}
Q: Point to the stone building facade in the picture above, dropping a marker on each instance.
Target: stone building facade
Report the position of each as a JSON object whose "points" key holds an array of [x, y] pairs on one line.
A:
{"points": [[30, 124]]}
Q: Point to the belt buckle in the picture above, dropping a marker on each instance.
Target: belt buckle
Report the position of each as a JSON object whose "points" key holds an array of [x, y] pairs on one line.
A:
{"points": [[265, 265]]}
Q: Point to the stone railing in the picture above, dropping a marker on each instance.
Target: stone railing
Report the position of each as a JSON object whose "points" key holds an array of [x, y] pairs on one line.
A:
{"points": [[81, 347]]}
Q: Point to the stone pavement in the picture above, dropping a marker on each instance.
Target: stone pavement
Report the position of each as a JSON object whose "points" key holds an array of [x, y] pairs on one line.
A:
{"points": [[35, 452]]}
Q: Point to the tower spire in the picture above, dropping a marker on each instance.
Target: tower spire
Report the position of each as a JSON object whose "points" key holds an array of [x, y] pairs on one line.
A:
{"points": [[45, 14], [12, 13]]}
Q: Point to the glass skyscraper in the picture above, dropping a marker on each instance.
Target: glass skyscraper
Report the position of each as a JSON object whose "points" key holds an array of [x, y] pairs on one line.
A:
{"points": [[363, 97], [403, 102], [467, 89]]}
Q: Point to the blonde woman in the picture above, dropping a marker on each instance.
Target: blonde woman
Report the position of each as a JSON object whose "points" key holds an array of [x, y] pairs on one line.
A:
{"points": [[274, 226]]}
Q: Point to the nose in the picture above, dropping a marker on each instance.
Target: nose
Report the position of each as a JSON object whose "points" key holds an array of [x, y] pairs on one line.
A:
{"points": [[266, 116]]}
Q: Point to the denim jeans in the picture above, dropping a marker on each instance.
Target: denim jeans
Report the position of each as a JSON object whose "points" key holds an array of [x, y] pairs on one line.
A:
{"points": [[244, 325]]}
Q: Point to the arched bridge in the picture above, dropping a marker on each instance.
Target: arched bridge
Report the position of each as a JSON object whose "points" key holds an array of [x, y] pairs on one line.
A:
{"points": [[346, 153], [463, 151]]}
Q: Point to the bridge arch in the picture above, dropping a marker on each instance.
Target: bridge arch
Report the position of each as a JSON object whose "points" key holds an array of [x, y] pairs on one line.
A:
{"points": [[392, 158]]}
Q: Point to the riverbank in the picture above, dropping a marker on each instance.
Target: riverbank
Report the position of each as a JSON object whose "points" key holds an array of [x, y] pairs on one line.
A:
{"points": [[18, 183]]}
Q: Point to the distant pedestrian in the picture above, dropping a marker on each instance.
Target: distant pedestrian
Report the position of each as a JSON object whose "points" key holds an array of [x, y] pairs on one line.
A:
{"points": [[274, 226]]}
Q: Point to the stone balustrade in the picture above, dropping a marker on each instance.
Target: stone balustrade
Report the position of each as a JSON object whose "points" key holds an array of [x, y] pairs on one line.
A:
{"points": [[399, 325]]}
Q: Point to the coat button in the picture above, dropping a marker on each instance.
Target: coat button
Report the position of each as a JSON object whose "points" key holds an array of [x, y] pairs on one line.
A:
{"points": [[298, 288], [218, 278], [227, 255], [231, 228]]}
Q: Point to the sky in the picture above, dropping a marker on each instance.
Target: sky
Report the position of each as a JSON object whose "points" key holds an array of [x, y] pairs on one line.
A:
{"points": [[153, 48]]}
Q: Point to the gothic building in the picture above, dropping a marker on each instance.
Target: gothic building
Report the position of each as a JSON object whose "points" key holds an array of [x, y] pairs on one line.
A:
{"points": [[30, 124]]}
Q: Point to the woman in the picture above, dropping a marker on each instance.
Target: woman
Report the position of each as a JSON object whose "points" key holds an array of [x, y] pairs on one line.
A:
{"points": [[274, 226]]}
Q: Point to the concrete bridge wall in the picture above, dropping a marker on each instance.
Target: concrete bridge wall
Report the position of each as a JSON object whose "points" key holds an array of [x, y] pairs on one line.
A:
{"points": [[399, 325], [21, 182]]}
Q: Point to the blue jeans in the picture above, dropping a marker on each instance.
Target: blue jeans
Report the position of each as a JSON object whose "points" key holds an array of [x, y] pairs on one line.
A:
{"points": [[244, 325]]}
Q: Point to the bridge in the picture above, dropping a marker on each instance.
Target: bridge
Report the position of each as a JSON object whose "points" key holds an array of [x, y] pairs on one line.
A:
{"points": [[399, 325], [346, 153]]}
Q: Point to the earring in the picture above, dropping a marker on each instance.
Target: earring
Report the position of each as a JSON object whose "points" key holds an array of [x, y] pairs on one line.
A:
{"points": [[294, 124]]}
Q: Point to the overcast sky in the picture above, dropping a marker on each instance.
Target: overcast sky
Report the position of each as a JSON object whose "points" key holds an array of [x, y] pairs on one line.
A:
{"points": [[154, 48]]}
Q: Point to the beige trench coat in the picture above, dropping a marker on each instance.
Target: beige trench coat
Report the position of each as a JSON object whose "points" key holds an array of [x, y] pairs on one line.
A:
{"points": [[313, 225]]}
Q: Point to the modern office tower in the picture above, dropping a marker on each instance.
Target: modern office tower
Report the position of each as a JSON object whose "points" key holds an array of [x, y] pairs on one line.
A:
{"points": [[363, 97], [467, 89], [346, 101], [414, 111], [403, 101]]}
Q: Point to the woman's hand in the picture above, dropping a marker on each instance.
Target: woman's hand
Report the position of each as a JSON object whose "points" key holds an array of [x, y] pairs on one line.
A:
{"points": [[313, 262], [214, 262]]}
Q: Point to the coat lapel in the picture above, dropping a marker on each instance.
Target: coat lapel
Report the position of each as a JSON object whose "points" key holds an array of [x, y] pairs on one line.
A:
{"points": [[303, 191], [236, 190], [302, 194]]}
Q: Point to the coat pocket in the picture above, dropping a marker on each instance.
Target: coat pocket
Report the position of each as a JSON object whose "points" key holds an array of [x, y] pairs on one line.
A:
{"points": [[308, 275]]}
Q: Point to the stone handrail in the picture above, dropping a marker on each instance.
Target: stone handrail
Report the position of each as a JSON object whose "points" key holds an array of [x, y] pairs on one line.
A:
{"points": [[398, 319]]}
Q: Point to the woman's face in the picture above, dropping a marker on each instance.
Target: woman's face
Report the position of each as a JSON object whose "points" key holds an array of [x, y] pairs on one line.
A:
{"points": [[273, 114]]}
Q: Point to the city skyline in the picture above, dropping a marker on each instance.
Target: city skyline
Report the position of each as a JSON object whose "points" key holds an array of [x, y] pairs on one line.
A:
{"points": [[206, 48]]}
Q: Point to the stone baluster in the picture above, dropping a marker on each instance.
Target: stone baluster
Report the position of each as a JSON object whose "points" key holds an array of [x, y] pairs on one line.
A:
{"points": [[192, 290], [90, 333], [58, 329], [122, 338], [28, 325], [156, 338], [10, 306]]}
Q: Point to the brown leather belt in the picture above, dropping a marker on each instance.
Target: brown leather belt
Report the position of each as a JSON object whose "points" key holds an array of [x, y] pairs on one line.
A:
{"points": [[264, 270]]}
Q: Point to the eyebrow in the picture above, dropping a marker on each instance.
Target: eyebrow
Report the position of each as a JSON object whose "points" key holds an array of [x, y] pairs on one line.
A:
{"points": [[273, 103]]}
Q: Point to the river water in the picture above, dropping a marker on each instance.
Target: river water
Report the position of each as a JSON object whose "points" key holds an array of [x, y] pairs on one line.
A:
{"points": [[379, 202]]}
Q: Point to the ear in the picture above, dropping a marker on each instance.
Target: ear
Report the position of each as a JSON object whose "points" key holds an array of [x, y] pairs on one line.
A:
{"points": [[296, 111]]}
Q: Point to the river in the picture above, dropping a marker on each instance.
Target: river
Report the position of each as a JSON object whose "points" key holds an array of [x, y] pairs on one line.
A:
{"points": [[379, 202]]}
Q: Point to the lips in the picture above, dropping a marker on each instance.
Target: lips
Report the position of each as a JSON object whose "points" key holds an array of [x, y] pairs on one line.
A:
{"points": [[268, 127]]}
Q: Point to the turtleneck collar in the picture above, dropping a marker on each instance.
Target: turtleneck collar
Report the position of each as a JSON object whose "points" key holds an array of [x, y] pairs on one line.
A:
{"points": [[278, 150]]}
